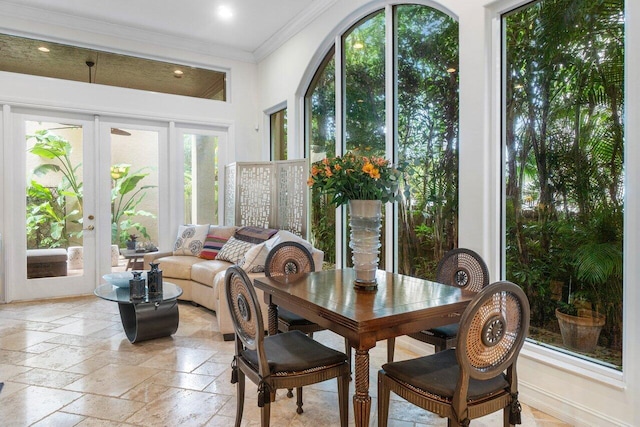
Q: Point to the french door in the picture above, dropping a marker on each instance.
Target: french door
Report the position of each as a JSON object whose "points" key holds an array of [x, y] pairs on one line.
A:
{"points": [[51, 239]]}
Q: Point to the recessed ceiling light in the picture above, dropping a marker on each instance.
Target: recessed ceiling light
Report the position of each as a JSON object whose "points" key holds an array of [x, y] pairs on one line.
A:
{"points": [[178, 73], [451, 70], [225, 12], [358, 45], [43, 49]]}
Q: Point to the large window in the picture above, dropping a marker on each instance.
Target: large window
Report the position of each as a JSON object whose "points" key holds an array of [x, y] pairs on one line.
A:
{"points": [[278, 134], [423, 125], [564, 151]]}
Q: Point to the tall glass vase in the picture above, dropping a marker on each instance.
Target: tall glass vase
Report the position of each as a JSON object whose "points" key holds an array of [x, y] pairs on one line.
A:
{"points": [[365, 218]]}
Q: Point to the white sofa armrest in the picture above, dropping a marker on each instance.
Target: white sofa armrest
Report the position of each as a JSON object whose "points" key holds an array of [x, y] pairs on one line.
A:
{"points": [[152, 256]]}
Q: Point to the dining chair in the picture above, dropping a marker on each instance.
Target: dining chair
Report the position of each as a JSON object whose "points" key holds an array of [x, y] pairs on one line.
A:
{"points": [[290, 359], [478, 376], [459, 267], [291, 258]]}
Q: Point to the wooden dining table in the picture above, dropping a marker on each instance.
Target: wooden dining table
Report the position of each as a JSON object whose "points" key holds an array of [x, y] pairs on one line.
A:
{"points": [[400, 305]]}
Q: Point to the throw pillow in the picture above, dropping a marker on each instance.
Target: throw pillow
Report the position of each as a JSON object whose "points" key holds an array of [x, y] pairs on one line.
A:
{"points": [[234, 250], [255, 258], [254, 234], [190, 239], [212, 245]]}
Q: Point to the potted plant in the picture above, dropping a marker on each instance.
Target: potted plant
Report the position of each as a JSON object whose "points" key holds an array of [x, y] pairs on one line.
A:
{"points": [[580, 325], [132, 242], [127, 193], [597, 268], [364, 183]]}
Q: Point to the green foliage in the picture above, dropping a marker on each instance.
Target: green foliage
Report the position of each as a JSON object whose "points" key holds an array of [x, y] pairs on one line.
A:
{"points": [[565, 155], [126, 195], [47, 217], [427, 126], [50, 210]]}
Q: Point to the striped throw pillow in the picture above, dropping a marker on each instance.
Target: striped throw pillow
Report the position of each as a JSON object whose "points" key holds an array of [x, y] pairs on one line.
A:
{"points": [[212, 245]]}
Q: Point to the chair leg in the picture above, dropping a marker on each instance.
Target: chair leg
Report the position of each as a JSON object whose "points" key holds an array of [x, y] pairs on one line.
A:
{"points": [[391, 348], [265, 414], [343, 399], [383, 401], [240, 398], [299, 400]]}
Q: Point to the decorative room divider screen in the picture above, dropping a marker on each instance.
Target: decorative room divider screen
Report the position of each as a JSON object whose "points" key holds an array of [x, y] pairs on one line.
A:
{"points": [[267, 194]]}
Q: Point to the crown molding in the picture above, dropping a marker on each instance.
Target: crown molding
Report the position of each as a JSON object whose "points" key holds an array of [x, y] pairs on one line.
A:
{"points": [[292, 28]]}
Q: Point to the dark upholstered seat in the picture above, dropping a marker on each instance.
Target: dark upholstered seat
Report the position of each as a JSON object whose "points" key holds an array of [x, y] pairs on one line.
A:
{"points": [[476, 378], [285, 360]]}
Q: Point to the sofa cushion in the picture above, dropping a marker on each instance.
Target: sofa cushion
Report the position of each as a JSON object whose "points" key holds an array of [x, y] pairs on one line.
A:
{"points": [[254, 234], [177, 267], [234, 250], [190, 239], [204, 272], [212, 245]]}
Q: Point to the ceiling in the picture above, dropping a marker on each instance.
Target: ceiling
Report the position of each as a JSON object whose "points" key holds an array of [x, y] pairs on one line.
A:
{"points": [[256, 27]]}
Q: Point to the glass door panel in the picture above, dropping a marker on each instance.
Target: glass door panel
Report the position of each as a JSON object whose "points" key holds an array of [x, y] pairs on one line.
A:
{"points": [[133, 173], [57, 204], [200, 178]]}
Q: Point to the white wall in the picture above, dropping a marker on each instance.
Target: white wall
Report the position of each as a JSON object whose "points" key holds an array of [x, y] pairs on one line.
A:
{"points": [[579, 393]]}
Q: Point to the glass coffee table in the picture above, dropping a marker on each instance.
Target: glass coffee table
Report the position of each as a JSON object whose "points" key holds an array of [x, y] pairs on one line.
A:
{"points": [[148, 318]]}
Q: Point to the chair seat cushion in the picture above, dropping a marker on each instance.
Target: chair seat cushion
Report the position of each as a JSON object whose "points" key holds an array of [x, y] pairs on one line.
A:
{"points": [[293, 352], [438, 374], [447, 331], [292, 319]]}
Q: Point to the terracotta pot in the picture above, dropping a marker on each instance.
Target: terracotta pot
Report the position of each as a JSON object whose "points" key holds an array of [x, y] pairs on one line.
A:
{"points": [[581, 332]]}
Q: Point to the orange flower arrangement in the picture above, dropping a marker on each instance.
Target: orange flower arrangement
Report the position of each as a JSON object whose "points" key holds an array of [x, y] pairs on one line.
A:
{"points": [[353, 177]]}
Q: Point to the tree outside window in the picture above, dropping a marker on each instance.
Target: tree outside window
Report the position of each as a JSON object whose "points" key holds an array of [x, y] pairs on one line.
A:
{"points": [[424, 128], [564, 170]]}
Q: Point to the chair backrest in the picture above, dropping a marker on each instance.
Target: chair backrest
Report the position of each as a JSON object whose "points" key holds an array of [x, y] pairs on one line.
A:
{"points": [[492, 330], [288, 258], [246, 314], [463, 268]]}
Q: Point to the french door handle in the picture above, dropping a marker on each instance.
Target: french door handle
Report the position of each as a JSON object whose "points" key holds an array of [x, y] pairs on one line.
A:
{"points": [[90, 228]]}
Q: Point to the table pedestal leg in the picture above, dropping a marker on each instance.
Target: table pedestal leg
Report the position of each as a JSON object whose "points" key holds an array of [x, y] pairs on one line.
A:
{"points": [[149, 320], [272, 314], [361, 399]]}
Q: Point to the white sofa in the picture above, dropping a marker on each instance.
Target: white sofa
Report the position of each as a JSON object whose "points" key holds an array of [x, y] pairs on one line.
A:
{"points": [[202, 281]]}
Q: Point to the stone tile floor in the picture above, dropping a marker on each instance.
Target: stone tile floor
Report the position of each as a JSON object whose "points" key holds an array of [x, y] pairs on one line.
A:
{"points": [[67, 362]]}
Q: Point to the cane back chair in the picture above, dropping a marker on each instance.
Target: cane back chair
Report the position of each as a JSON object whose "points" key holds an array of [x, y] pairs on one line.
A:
{"points": [[459, 267], [291, 258], [278, 361], [478, 376]]}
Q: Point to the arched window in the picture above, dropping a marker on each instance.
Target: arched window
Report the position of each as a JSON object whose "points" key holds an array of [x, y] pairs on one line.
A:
{"points": [[410, 118]]}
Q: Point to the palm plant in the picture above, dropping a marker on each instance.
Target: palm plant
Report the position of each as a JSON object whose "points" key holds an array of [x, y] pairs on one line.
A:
{"points": [[125, 198]]}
